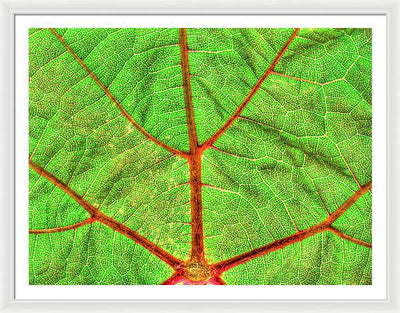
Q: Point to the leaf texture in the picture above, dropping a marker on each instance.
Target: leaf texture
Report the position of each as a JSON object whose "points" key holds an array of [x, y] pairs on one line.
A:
{"points": [[200, 156]]}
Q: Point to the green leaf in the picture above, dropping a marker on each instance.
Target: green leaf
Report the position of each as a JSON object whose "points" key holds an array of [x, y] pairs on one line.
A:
{"points": [[200, 156]]}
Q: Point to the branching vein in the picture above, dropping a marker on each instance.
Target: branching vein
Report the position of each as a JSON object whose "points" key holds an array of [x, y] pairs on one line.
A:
{"points": [[325, 225], [252, 92], [115, 101], [106, 220]]}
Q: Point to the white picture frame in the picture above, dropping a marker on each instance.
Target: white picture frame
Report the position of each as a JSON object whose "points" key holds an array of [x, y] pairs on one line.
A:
{"points": [[11, 9]]}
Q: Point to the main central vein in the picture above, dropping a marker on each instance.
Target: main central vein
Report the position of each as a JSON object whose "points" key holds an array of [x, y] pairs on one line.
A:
{"points": [[197, 250]]}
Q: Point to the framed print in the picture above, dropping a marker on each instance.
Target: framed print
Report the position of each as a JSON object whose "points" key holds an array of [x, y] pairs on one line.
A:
{"points": [[199, 155], [185, 157]]}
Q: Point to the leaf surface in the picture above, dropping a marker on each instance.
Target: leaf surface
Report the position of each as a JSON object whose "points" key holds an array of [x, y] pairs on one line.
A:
{"points": [[200, 156]]}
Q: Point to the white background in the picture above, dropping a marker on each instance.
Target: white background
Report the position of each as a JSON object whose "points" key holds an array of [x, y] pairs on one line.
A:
{"points": [[376, 291]]}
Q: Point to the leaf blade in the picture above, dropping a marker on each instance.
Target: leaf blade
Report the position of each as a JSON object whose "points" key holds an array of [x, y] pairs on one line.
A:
{"points": [[293, 151]]}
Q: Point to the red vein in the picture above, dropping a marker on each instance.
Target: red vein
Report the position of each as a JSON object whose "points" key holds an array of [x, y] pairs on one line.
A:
{"points": [[325, 225], [187, 90], [62, 228], [196, 209], [176, 278], [115, 101], [349, 238], [106, 220], [252, 92], [197, 248], [217, 280], [343, 208]]}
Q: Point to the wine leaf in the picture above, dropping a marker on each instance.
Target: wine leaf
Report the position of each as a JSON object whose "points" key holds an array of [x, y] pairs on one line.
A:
{"points": [[200, 156]]}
